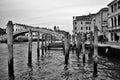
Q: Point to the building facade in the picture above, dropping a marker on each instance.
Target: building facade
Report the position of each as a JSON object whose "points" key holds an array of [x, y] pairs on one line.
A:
{"points": [[114, 20], [101, 20], [83, 24]]}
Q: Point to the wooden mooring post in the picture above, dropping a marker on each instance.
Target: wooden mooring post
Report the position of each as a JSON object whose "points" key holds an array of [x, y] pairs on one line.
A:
{"points": [[78, 45], [73, 43], [30, 48], [83, 47], [49, 41], [91, 50], [95, 56], [45, 46], [66, 47], [38, 46], [10, 49]]}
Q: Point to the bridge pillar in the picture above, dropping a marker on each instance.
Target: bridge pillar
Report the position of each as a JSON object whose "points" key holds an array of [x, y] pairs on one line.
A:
{"points": [[10, 49], [95, 56], [78, 45], [30, 48], [66, 47], [38, 46], [91, 45]]}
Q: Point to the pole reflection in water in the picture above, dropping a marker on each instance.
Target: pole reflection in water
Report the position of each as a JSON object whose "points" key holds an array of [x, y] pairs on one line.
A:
{"points": [[11, 76], [66, 74], [30, 73]]}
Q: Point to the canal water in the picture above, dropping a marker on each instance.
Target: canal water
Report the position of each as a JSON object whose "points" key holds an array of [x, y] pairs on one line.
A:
{"points": [[51, 66]]}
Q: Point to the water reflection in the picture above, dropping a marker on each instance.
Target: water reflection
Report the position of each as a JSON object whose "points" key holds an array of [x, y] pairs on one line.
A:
{"points": [[11, 71], [11, 76], [30, 72], [66, 73], [52, 67]]}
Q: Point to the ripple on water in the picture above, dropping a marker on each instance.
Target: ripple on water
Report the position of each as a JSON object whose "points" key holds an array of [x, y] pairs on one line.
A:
{"points": [[52, 66]]}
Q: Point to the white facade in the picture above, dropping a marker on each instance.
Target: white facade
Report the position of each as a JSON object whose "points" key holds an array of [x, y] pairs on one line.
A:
{"points": [[83, 24]]}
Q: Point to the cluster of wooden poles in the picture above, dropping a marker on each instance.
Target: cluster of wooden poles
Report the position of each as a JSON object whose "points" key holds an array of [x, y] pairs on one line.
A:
{"points": [[47, 38], [80, 45]]}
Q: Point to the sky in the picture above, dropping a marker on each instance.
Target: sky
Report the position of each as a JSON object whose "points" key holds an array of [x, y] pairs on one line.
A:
{"points": [[47, 13]]}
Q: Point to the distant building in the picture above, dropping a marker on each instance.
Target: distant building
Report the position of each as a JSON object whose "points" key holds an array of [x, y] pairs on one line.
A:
{"points": [[56, 28], [114, 20], [83, 24], [22, 27]]}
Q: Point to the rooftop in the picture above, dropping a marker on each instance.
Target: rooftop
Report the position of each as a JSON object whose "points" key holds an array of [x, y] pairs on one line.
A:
{"points": [[84, 17], [112, 2]]}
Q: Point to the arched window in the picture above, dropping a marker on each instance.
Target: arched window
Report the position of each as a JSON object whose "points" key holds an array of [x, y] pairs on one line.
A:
{"points": [[89, 27], [81, 28], [119, 20], [86, 28], [115, 20], [112, 21]]}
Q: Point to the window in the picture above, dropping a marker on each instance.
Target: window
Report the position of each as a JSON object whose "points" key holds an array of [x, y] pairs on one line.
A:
{"points": [[87, 22], [112, 21], [119, 20], [75, 28], [81, 22], [75, 22], [115, 20], [118, 4], [115, 7], [112, 8], [81, 28], [86, 28], [89, 27], [86, 18]]}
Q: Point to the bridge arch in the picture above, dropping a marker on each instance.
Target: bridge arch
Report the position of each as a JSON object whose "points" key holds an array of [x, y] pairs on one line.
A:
{"points": [[37, 29]]}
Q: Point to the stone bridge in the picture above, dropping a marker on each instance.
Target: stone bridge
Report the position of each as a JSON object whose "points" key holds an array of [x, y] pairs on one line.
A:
{"points": [[33, 29]]}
